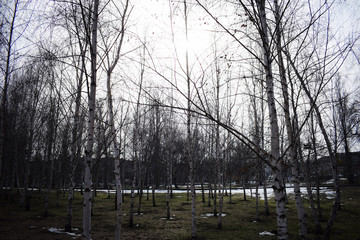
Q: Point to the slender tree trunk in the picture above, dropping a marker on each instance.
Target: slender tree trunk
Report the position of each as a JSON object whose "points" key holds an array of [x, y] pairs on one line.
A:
{"points": [[230, 188], [153, 196], [14, 169], [329, 149], [6, 82], [90, 138], [117, 169], [136, 148], [132, 196], [274, 128], [313, 141], [310, 196], [116, 145], [257, 201], [168, 195], [215, 200], [189, 140], [202, 191], [266, 201], [73, 157], [219, 163], [289, 127], [140, 193], [50, 139], [209, 195], [168, 187], [27, 194], [188, 189], [244, 190]]}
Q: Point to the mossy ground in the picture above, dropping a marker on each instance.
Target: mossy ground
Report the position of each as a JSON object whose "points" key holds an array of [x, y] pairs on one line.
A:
{"points": [[239, 223]]}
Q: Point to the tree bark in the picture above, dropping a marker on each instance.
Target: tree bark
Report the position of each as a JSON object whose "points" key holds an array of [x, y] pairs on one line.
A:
{"points": [[276, 162], [289, 127], [91, 120], [117, 169]]}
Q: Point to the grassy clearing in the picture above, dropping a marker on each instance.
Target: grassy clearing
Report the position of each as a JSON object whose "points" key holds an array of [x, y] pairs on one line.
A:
{"points": [[239, 222]]}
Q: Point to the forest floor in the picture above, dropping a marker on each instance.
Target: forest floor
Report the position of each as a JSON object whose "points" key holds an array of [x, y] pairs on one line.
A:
{"points": [[239, 221]]}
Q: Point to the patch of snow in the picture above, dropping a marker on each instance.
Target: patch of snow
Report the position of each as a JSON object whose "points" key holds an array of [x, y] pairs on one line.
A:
{"points": [[265, 233], [270, 192], [55, 230], [71, 234], [33, 226], [330, 181], [166, 218], [254, 221], [350, 198], [61, 230], [211, 215], [138, 214]]}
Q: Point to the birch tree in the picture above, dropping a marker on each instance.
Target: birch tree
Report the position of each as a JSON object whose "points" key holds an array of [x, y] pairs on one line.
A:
{"points": [[111, 64], [81, 75], [276, 162], [188, 127], [90, 128], [289, 127], [136, 143]]}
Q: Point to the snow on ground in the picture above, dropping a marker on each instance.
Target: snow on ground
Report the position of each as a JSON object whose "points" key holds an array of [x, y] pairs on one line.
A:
{"points": [[61, 230], [265, 233], [206, 215], [166, 218], [330, 194], [138, 213]]}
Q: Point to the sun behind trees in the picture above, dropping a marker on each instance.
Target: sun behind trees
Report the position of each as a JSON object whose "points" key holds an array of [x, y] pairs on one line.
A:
{"points": [[120, 96]]}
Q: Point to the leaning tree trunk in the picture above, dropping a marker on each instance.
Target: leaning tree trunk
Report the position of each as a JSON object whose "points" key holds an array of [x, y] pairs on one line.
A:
{"points": [[276, 162], [289, 128], [91, 121], [329, 149]]}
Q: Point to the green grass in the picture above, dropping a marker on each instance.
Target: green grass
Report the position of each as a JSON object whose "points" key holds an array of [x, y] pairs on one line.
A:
{"points": [[239, 222]]}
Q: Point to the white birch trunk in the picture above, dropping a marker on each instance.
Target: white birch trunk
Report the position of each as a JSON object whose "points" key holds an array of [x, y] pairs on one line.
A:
{"points": [[274, 127], [116, 145], [90, 138], [116, 150], [289, 128]]}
